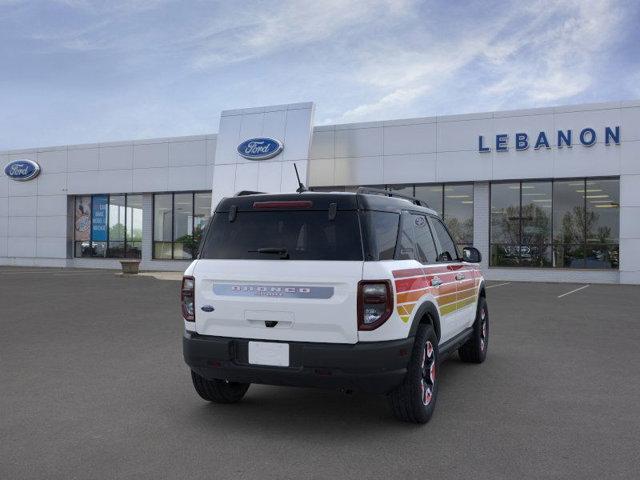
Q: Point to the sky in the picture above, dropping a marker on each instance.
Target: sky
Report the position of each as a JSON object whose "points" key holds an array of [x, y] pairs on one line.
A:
{"points": [[80, 71]]}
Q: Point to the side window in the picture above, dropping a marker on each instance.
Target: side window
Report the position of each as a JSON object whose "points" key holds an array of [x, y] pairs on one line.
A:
{"points": [[405, 248], [425, 246], [447, 248], [382, 234]]}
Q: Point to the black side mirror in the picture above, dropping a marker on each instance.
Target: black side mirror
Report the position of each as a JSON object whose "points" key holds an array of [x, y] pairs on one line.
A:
{"points": [[471, 255]]}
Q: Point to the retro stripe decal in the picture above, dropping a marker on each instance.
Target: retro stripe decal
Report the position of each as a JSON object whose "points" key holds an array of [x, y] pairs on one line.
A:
{"points": [[411, 284]]}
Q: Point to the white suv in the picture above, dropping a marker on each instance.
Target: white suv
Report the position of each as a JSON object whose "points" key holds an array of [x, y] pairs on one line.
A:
{"points": [[356, 291]]}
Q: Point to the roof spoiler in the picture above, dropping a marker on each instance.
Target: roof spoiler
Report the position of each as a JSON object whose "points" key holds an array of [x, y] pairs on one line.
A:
{"points": [[244, 193]]}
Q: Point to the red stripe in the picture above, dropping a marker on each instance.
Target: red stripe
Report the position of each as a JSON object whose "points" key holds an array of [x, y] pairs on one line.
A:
{"points": [[412, 284], [409, 272]]}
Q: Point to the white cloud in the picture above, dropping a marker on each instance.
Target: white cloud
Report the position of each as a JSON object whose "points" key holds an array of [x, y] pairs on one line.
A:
{"points": [[555, 63], [260, 32], [543, 52]]}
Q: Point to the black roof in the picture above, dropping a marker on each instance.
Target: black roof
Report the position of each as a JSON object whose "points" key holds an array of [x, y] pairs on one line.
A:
{"points": [[321, 201]]}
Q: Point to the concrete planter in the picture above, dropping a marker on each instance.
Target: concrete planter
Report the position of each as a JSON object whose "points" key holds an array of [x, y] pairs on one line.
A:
{"points": [[130, 266]]}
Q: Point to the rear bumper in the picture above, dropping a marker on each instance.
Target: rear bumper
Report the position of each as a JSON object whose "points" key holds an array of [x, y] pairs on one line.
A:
{"points": [[374, 367]]}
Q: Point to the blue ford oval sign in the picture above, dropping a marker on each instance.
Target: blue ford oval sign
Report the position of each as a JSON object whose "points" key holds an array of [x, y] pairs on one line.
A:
{"points": [[260, 148], [22, 170]]}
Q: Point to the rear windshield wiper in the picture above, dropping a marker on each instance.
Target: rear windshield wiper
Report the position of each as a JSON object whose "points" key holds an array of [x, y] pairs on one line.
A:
{"points": [[283, 252]]}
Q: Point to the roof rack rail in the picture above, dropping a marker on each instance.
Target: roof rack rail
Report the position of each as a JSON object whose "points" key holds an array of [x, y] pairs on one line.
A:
{"points": [[388, 193], [243, 193]]}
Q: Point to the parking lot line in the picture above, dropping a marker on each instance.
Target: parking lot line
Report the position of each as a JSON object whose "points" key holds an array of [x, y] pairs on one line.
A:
{"points": [[573, 291], [498, 285]]}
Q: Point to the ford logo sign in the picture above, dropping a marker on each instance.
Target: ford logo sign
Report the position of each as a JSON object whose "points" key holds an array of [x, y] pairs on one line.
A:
{"points": [[22, 170], [260, 148]]}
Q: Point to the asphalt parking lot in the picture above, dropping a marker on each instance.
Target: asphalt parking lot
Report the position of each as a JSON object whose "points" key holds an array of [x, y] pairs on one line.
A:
{"points": [[92, 385]]}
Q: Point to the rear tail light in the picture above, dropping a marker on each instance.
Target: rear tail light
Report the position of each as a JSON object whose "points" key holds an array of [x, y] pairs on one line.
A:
{"points": [[188, 298], [375, 303]]}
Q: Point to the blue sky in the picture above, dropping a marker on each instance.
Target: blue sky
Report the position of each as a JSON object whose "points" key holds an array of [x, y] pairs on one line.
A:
{"points": [[76, 71]]}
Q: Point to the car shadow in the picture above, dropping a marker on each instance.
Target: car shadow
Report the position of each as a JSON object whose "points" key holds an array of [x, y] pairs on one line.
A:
{"points": [[289, 410]]}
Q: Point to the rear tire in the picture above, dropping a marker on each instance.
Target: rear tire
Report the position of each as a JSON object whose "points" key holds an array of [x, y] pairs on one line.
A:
{"points": [[415, 400], [218, 391], [475, 349]]}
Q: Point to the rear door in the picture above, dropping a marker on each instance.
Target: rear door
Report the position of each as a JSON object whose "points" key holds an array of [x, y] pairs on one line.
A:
{"points": [[280, 274], [464, 299]]}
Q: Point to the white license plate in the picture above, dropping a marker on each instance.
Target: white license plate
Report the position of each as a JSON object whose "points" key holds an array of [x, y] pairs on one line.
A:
{"points": [[269, 353]]}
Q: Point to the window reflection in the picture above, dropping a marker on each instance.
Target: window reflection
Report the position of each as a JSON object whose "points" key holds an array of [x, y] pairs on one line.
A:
{"points": [[432, 195], [179, 221], [535, 243], [458, 212], [108, 226], [134, 226], [505, 224], [564, 224]]}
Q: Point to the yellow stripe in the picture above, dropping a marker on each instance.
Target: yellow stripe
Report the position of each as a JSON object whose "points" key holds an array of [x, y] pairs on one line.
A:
{"points": [[466, 301], [404, 319], [453, 306], [447, 309]]}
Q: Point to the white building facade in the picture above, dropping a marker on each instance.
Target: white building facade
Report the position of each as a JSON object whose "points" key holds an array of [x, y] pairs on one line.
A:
{"points": [[549, 194]]}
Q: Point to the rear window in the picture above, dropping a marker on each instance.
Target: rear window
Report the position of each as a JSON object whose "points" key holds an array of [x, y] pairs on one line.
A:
{"points": [[294, 235]]}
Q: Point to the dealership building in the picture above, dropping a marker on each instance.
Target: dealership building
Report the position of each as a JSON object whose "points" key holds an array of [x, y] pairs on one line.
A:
{"points": [[547, 194]]}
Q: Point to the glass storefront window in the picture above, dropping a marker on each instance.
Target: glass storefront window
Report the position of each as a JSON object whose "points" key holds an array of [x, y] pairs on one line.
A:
{"points": [[179, 220], [535, 228], [569, 223], [458, 213], [564, 224], [117, 219], [603, 223], [134, 226], [108, 226], [505, 224], [432, 195], [162, 225], [183, 226]]}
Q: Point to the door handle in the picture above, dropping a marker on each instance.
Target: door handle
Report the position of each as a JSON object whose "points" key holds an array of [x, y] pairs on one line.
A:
{"points": [[460, 276], [436, 282]]}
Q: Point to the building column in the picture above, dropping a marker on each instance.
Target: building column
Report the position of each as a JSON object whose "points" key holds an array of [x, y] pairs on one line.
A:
{"points": [[147, 227], [629, 229], [481, 209]]}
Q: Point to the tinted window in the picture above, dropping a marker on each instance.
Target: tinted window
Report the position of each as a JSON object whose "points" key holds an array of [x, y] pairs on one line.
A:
{"points": [[382, 228], [406, 241], [447, 250], [425, 246], [305, 235]]}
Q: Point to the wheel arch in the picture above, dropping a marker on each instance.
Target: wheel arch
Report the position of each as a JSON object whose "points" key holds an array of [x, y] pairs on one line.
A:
{"points": [[481, 291], [427, 313]]}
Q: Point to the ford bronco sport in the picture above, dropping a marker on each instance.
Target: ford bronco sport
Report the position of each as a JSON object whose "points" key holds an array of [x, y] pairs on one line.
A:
{"points": [[356, 291]]}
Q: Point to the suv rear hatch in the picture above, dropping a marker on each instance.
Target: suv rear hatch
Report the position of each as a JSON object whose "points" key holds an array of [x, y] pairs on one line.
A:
{"points": [[281, 267]]}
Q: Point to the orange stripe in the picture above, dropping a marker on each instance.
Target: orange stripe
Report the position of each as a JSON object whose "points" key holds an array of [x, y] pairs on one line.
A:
{"points": [[410, 296]]}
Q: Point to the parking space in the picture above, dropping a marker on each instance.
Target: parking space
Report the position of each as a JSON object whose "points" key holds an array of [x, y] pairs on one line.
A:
{"points": [[92, 385]]}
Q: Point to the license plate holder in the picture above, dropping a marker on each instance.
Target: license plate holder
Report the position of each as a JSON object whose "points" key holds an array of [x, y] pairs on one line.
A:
{"points": [[274, 354]]}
